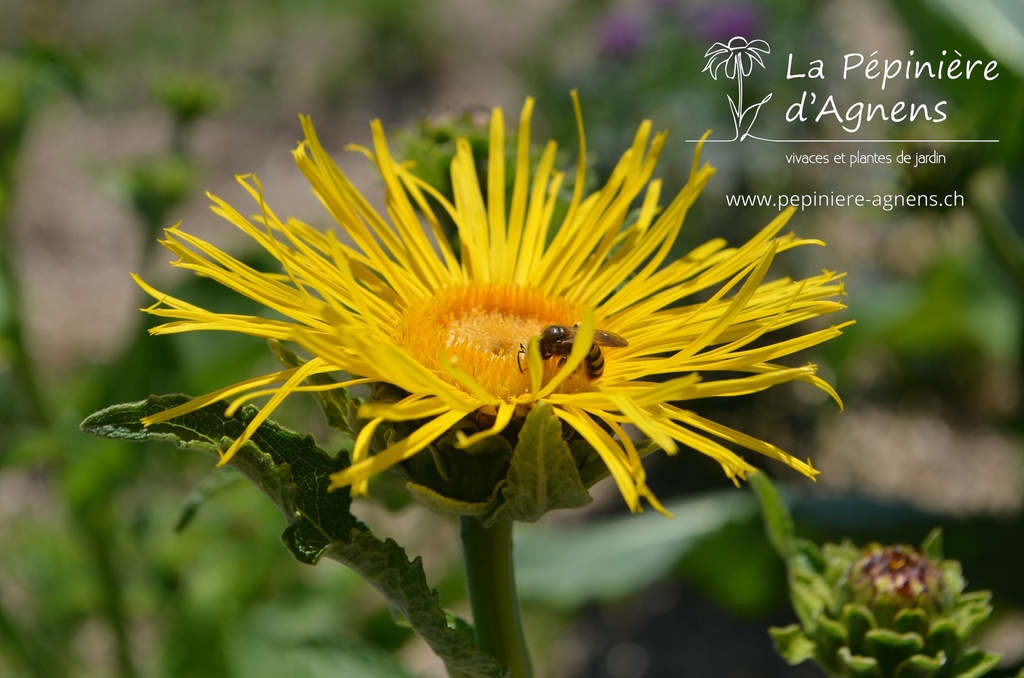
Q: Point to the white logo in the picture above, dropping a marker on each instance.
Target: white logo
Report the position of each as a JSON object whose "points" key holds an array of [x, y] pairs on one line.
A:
{"points": [[736, 60]]}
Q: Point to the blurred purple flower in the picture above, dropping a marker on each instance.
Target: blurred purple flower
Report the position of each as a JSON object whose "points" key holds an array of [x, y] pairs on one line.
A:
{"points": [[621, 34], [721, 22]]}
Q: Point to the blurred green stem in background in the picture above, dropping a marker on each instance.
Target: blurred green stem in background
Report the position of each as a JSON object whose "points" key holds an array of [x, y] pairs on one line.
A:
{"points": [[985, 192], [21, 648], [188, 98], [15, 110], [97, 526]]}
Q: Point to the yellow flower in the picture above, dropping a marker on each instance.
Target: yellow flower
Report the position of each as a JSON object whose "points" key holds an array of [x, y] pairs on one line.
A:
{"points": [[387, 300]]}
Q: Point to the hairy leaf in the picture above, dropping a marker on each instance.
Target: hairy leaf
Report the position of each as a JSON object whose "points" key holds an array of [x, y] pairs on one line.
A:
{"points": [[290, 469], [542, 474]]}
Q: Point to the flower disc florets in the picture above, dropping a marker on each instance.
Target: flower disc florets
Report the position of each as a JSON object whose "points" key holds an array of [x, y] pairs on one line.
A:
{"points": [[480, 329], [898, 575]]}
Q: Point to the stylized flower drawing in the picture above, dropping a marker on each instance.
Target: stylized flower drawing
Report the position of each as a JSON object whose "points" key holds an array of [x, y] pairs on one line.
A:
{"points": [[388, 302], [738, 56], [737, 60]]}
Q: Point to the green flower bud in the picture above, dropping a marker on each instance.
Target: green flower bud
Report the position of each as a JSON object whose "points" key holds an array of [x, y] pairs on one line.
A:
{"points": [[884, 611], [430, 145], [189, 97]]}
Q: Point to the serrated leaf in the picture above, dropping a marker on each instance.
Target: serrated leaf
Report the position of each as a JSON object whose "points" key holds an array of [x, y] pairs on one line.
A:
{"points": [[542, 474], [293, 472], [287, 466], [384, 565]]}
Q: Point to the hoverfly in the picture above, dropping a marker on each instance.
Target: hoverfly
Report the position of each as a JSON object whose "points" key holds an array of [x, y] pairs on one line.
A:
{"points": [[558, 340]]}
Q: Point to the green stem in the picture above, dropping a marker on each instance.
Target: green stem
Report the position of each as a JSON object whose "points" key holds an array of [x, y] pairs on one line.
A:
{"points": [[492, 593]]}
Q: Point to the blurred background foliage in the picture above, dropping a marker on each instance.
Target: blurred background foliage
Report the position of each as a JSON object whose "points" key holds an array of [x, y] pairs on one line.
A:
{"points": [[115, 116]]}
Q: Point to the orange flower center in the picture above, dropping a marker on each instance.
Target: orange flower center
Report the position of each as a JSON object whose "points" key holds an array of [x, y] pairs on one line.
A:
{"points": [[480, 328]]}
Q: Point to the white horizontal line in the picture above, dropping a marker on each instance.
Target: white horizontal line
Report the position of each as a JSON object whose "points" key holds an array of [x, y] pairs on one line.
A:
{"points": [[851, 141]]}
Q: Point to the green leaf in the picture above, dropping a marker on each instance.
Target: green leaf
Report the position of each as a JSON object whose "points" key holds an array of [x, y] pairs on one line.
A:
{"points": [[892, 648], [998, 25], [260, 652], [791, 644], [920, 666], [975, 663], [542, 474], [856, 666], [608, 560], [291, 470], [288, 467], [858, 621], [778, 522], [471, 474], [438, 503], [737, 568], [971, 610], [832, 639], [911, 620], [943, 638], [810, 596], [384, 565], [932, 545]]}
